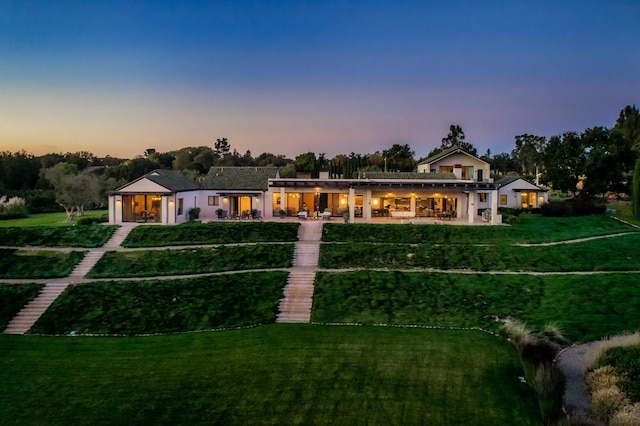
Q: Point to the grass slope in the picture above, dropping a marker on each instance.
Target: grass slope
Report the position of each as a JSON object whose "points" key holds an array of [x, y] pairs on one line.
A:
{"points": [[37, 264], [147, 263], [533, 229], [585, 307], [271, 375], [619, 253], [57, 236], [211, 233], [158, 306]]}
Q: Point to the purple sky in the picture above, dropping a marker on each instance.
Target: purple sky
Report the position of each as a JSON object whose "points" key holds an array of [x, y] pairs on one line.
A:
{"points": [[287, 77]]}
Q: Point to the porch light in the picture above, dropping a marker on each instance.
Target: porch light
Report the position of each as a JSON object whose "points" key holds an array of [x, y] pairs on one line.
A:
{"points": [[375, 201], [343, 201]]}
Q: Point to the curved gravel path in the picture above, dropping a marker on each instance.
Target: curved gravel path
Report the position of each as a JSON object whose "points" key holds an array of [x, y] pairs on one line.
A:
{"points": [[573, 363]]}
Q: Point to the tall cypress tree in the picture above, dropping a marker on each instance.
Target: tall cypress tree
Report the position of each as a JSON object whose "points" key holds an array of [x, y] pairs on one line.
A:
{"points": [[635, 191]]}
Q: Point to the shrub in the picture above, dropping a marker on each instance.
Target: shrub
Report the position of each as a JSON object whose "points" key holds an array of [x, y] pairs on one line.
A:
{"points": [[626, 416], [606, 401], [12, 208], [517, 332], [549, 384], [586, 207], [83, 221], [601, 378], [513, 220], [508, 211], [557, 209]]}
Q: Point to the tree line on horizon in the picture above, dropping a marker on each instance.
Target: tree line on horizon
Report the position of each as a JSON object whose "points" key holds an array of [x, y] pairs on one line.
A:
{"points": [[591, 163]]}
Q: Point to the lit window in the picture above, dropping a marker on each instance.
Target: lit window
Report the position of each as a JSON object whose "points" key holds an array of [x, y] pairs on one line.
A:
{"points": [[503, 200], [180, 205], [483, 197], [213, 200]]}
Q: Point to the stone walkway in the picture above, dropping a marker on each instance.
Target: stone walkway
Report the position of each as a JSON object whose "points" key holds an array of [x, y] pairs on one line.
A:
{"points": [[298, 293]]}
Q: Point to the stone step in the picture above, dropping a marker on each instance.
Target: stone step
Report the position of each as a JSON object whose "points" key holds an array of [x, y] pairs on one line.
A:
{"points": [[28, 315]]}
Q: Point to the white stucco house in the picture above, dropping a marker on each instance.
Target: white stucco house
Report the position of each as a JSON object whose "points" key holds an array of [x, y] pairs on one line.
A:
{"points": [[452, 185]]}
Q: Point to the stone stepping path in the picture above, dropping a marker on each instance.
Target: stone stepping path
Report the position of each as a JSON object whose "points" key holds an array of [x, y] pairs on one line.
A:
{"points": [[295, 307], [28, 316]]}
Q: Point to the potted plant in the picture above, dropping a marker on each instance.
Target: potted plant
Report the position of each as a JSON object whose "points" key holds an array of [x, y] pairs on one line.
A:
{"points": [[194, 213], [282, 214], [219, 212], [345, 214]]}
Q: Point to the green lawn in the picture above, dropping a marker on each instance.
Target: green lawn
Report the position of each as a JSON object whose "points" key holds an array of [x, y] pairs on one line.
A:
{"points": [[271, 375], [31, 264], [147, 263], [14, 297], [48, 219], [57, 236], [211, 233], [619, 253], [158, 306], [533, 229], [586, 307]]}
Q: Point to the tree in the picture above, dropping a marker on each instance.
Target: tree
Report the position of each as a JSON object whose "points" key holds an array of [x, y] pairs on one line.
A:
{"points": [[74, 191], [635, 191], [306, 163], [399, 157], [628, 124], [455, 137], [564, 157], [221, 147], [502, 164], [609, 157], [527, 153]]}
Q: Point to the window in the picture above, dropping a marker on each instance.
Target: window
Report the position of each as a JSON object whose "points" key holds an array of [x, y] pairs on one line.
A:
{"points": [[446, 169], [213, 200], [180, 205], [483, 197], [503, 200]]}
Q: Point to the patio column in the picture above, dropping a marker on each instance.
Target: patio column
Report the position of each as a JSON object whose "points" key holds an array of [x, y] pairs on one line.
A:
{"points": [[366, 205], [352, 205], [494, 207], [472, 207], [412, 203], [283, 200]]}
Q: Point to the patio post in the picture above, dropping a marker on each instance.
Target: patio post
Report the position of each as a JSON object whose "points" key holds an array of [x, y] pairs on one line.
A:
{"points": [[494, 207], [472, 207], [352, 205]]}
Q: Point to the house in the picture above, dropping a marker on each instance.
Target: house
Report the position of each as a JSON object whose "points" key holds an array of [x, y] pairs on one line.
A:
{"points": [[516, 193], [161, 196], [166, 196], [450, 185]]}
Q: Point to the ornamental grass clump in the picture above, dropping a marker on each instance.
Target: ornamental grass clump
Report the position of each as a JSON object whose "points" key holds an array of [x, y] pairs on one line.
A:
{"points": [[626, 416], [606, 402], [538, 351]]}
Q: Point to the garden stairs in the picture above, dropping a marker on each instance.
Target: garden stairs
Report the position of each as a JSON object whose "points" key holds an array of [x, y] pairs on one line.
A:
{"points": [[28, 315], [298, 293]]}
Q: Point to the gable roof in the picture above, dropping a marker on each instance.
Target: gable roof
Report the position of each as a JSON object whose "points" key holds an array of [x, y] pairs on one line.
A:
{"points": [[169, 179], [447, 152], [508, 180], [239, 178], [408, 175]]}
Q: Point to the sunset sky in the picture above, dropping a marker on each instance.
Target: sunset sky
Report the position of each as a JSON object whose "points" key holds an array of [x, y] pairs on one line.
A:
{"points": [[287, 77]]}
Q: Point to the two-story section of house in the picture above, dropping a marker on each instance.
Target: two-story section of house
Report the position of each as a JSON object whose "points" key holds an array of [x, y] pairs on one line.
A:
{"points": [[459, 162]]}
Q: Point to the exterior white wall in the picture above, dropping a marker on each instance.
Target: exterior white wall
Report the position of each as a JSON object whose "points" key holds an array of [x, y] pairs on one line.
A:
{"points": [[458, 158]]}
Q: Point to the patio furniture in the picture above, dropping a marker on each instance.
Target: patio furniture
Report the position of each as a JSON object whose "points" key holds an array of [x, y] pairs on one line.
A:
{"points": [[302, 214], [257, 215], [326, 214]]}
